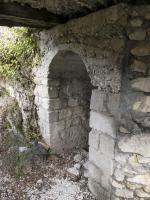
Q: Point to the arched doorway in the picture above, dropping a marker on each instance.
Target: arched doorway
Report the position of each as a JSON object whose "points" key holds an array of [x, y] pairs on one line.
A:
{"points": [[69, 93]]}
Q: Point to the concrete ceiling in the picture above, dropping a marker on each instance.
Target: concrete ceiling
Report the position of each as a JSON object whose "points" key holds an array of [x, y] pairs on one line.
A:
{"points": [[48, 13]]}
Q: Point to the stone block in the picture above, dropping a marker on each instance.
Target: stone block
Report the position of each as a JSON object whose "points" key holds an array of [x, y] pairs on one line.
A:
{"points": [[124, 193], [41, 91], [97, 190], [142, 105], [57, 126], [138, 66], [107, 145], [55, 104], [103, 162], [136, 22], [43, 114], [99, 176], [102, 123], [98, 100], [113, 104], [65, 113], [142, 194], [138, 144], [141, 84], [138, 35], [94, 137], [143, 179], [143, 50], [53, 93], [53, 82], [73, 102], [53, 116], [119, 175], [44, 103]]}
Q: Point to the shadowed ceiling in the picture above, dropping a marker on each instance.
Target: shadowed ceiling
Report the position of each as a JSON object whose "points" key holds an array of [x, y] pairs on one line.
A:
{"points": [[48, 13]]}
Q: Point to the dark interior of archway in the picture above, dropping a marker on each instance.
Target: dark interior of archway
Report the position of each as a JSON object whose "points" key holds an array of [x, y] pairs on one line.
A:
{"points": [[70, 93]]}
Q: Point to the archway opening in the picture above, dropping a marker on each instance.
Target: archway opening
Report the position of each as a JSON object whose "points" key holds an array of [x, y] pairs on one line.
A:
{"points": [[70, 93]]}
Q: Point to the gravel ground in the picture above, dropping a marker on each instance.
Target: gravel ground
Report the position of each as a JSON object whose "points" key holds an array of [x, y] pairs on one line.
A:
{"points": [[54, 178], [49, 180]]}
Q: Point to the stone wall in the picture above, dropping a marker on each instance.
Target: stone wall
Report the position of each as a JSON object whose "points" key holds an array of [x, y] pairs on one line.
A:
{"points": [[132, 158], [114, 46]]}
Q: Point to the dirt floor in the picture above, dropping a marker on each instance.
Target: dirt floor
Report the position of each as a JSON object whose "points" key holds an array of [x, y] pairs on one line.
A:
{"points": [[50, 180], [34, 176]]}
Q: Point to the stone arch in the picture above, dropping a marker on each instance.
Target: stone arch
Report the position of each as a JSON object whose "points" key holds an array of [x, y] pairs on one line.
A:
{"points": [[69, 89]]}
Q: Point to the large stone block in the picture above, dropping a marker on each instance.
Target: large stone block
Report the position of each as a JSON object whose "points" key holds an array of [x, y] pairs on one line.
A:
{"points": [[138, 144], [94, 139], [107, 145], [98, 100], [102, 123], [113, 104], [103, 161], [99, 176]]}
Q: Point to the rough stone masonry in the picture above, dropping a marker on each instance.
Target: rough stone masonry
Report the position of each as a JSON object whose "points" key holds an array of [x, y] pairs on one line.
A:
{"points": [[114, 46]]}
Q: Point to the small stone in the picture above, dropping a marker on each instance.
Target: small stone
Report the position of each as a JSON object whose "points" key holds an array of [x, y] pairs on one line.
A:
{"points": [[86, 165], [138, 66], [115, 184], [136, 22], [78, 158], [140, 179], [119, 175], [133, 161], [77, 166], [143, 105], [133, 186], [124, 130], [141, 51], [141, 84], [124, 193], [141, 193], [143, 160], [39, 181], [121, 158], [73, 171], [138, 35]]}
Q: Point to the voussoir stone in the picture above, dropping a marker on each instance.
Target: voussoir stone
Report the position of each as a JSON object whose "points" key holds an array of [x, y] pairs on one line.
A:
{"points": [[141, 84], [143, 50], [138, 144]]}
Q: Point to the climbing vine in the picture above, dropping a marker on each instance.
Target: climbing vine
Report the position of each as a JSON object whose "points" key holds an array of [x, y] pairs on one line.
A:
{"points": [[19, 54]]}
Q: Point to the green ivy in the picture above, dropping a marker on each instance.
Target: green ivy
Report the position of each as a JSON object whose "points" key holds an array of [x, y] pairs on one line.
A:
{"points": [[19, 54]]}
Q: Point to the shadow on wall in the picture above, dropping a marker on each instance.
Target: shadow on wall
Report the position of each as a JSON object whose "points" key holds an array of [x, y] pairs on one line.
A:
{"points": [[69, 93]]}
